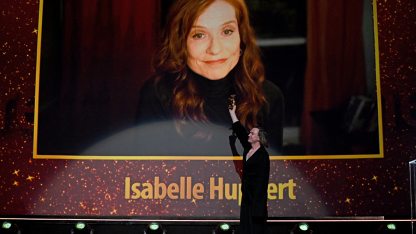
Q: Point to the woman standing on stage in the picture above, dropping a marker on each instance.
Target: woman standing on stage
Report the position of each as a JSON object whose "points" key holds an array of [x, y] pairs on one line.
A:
{"points": [[255, 179]]}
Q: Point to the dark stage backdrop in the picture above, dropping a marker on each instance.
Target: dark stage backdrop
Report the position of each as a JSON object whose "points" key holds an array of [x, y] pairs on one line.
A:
{"points": [[206, 189]]}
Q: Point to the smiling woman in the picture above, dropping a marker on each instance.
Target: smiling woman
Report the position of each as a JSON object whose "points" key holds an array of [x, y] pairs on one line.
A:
{"points": [[214, 42], [208, 53]]}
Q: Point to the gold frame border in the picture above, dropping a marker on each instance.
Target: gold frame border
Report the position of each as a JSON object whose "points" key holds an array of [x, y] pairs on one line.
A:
{"points": [[189, 158]]}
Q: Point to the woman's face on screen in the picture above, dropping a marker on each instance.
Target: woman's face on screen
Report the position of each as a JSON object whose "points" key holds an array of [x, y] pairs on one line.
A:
{"points": [[213, 43]]}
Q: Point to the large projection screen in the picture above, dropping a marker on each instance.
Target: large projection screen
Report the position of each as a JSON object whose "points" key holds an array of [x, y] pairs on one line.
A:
{"points": [[92, 62]]}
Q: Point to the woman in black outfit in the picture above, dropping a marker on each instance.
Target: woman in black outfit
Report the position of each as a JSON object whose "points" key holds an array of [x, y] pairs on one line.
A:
{"points": [[208, 53], [255, 179]]}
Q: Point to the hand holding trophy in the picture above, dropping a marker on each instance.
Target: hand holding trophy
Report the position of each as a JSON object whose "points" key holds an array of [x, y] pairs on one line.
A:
{"points": [[231, 102]]}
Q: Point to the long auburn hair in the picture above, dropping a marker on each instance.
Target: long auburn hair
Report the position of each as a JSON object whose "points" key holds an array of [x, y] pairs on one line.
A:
{"points": [[172, 59]]}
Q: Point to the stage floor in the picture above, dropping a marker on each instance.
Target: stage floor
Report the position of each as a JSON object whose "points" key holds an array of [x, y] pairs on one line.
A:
{"points": [[138, 226]]}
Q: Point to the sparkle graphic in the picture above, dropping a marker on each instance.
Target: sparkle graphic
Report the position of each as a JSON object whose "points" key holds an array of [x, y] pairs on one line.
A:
{"points": [[71, 187]]}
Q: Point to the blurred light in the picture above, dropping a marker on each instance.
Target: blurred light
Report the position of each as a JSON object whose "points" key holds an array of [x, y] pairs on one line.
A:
{"points": [[82, 228], [6, 225], [391, 226], [388, 228], [80, 225], [301, 228], [154, 228], [223, 228], [9, 228]]}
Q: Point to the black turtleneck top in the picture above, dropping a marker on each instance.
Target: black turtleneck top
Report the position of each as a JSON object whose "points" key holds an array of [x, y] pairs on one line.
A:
{"points": [[216, 94], [155, 106]]}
